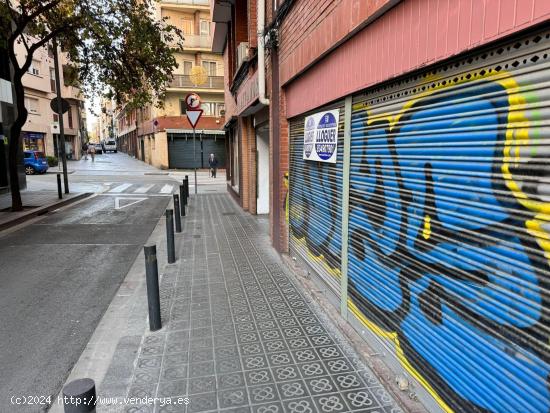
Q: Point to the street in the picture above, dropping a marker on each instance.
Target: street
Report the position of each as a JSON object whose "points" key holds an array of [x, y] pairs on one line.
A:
{"points": [[60, 272]]}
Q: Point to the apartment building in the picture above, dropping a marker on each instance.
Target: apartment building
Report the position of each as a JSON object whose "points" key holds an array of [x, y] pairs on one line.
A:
{"points": [[163, 137], [40, 89]]}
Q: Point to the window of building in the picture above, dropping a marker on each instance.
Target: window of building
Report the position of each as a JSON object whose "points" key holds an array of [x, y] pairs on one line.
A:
{"points": [[187, 65], [34, 68], [210, 67], [187, 26], [221, 109], [205, 27], [52, 80], [31, 104], [183, 107], [70, 116], [209, 108]]}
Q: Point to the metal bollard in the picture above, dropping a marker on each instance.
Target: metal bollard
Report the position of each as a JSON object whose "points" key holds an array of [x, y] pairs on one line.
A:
{"points": [[59, 192], [79, 396], [170, 236], [152, 278], [183, 195], [177, 217], [187, 185]]}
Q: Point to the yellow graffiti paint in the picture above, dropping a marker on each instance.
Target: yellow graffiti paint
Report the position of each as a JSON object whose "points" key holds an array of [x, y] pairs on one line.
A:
{"points": [[427, 227], [393, 338]]}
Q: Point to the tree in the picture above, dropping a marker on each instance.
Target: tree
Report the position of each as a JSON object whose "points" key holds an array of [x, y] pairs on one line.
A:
{"points": [[114, 45]]}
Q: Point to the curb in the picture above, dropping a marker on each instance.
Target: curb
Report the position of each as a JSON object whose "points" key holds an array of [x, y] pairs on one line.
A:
{"points": [[43, 210], [59, 172]]}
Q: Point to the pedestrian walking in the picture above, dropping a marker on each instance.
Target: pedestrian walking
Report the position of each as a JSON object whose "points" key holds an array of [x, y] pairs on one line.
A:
{"points": [[91, 151], [213, 163], [85, 150]]}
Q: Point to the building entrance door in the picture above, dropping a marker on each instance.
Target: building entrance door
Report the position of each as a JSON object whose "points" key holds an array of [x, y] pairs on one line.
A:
{"points": [[262, 178]]}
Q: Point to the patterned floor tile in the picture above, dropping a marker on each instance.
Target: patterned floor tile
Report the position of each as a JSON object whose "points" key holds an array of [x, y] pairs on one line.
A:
{"points": [[292, 389], [330, 403], [202, 384], [230, 380], [286, 373], [233, 397], [172, 388], [275, 407], [261, 376], [304, 405], [202, 402], [263, 393]]}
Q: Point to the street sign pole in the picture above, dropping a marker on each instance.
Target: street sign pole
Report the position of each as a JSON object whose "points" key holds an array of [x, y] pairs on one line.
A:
{"points": [[194, 113], [195, 160], [60, 114]]}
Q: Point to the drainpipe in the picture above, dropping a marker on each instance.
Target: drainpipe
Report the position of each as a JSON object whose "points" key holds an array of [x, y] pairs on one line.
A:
{"points": [[261, 53]]}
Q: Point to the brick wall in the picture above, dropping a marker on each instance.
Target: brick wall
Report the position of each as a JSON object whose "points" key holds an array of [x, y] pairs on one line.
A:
{"points": [[313, 27], [252, 23]]}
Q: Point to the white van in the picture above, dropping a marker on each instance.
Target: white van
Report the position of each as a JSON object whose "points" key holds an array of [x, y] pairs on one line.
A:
{"points": [[110, 145]]}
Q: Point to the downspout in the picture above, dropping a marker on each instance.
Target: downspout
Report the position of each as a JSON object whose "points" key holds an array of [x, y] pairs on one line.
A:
{"points": [[261, 53]]}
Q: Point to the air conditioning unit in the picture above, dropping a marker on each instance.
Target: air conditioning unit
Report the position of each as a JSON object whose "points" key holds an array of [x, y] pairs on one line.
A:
{"points": [[242, 53]]}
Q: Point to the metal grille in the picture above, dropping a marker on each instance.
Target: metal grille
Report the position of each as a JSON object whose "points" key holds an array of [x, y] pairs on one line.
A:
{"points": [[449, 226], [315, 206]]}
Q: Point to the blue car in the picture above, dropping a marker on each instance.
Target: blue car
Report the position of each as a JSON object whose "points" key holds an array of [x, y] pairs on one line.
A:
{"points": [[35, 162]]}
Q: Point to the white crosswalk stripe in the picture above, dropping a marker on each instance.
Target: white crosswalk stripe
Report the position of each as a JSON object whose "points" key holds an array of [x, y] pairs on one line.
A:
{"points": [[143, 189], [120, 188], [167, 189]]}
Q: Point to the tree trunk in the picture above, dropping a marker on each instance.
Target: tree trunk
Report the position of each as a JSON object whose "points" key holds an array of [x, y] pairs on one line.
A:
{"points": [[15, 143]]}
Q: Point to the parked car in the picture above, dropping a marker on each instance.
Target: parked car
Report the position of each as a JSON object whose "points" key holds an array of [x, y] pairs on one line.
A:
{"points": [[110, 145], [35, 162], [98, 148]]}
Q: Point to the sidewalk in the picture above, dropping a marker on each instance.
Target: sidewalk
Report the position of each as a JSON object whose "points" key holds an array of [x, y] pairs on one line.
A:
{"points": [[238, 334], [35, 203]]}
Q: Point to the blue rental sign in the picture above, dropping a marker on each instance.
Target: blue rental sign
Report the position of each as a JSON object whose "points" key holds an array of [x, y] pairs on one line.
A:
{"points": [[321, 136]]}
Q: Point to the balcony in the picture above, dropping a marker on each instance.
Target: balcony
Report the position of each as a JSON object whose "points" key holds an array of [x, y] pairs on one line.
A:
{"points": [[184, 82], [185, 4], [194, 41]]}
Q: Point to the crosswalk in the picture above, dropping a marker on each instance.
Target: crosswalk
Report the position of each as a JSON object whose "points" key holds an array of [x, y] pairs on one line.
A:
{"points": [[120, 188]]}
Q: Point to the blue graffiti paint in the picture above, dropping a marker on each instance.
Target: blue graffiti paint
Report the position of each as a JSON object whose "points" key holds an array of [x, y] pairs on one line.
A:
{"points": [[465, 300]]}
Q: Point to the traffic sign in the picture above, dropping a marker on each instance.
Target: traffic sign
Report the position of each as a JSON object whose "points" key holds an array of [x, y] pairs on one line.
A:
{"points": [[54, 105], [193, 101], [193, 116]]}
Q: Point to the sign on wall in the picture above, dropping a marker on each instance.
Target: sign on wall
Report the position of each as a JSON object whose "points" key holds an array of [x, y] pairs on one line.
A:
{"points": [[321, 136]]}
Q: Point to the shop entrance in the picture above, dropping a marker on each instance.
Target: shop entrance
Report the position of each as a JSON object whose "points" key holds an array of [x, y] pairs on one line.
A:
{"points": [[262, 165]]}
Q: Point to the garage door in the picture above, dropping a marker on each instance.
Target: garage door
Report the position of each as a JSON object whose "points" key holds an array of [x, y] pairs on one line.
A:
{"points": [[183, 153], [214, 144], [450, 222]]}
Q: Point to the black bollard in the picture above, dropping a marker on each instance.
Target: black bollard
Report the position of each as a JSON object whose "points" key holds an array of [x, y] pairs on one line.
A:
{"points": [[152, 278], [177, 217], [187, 185], [183, 196], [79, 396], [170, 236], [59, 192]]}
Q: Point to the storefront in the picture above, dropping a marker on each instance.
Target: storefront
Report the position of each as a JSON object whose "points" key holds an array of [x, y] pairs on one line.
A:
{"points": [[33, 141], [430, 229], [188, 152]]}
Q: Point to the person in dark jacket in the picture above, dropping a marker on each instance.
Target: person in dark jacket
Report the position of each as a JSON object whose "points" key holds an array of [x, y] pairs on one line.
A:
{"points": [[213, 163]]}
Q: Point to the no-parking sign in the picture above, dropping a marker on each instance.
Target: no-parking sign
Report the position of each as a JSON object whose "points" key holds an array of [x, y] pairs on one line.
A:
{"points": [[321, 136]]}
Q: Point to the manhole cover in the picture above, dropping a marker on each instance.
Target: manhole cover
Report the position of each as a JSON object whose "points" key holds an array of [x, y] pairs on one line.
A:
{"points": [[228, 213]]}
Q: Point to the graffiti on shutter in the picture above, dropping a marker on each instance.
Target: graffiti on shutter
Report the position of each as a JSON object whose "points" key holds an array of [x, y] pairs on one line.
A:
{"points": [[315, 207], [449, 226]]}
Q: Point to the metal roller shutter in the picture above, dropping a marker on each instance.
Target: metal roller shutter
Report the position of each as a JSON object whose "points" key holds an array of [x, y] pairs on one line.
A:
{"points": [[214, 144], [315, 206], [180, 151], [449, 225]]}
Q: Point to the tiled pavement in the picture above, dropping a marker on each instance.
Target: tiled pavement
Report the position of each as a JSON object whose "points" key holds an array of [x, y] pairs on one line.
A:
{"points": [[238, 334]]}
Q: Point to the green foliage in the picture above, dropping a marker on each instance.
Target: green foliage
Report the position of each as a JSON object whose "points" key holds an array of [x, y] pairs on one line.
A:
{"points": [[114, 45], [52, 160]]}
